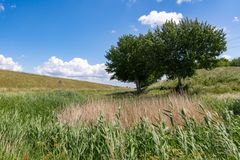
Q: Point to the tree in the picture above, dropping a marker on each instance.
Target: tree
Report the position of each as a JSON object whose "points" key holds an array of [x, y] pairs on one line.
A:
{"points": [[235, 62], [128, 61], [223, 62], [188, 45]]}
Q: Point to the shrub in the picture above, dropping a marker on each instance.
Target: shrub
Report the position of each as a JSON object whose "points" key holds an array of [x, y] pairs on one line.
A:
{"points": [[235, 62], [235, 107]]}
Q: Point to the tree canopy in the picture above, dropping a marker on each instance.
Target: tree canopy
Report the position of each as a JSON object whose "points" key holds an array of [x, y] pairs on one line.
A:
{"points": [[174, 49], [189, 45], [128, 61]]}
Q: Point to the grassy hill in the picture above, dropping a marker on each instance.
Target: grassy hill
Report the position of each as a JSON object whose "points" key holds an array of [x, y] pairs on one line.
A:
{"points": [[218, 80], [10, 80], [79, 124]]}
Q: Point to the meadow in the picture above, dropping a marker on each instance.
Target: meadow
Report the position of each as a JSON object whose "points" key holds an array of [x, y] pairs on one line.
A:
{"points": [[17, 81], [117, 124]]}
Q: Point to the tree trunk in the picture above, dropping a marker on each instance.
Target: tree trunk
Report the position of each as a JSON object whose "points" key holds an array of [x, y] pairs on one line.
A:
{"points": [[138, 86], [180, 86]]}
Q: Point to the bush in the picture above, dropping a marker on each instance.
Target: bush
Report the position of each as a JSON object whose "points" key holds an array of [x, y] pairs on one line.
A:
{"points": [[235, 107], [223, 62], [235, 62]]}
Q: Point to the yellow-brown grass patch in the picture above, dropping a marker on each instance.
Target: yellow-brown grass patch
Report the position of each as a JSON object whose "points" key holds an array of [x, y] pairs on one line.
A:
{"points": [[131, 110]]}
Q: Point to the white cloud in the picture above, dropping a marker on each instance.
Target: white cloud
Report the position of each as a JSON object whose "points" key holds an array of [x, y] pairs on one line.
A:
{"points": [[2, 8], [113, 31], [129, 3], [13, 6], [159, 18], [132, 1], [182, 1], [7, 63], [159, 1], [228, 57], [77, 68], [134, 28], [236, 19]]}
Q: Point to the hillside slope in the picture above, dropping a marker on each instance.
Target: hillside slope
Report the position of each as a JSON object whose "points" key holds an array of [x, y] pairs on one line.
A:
{"points": [[218, 80], [10, 80]]}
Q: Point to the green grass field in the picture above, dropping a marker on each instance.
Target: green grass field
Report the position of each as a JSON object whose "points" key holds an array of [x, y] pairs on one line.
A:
{"points": [[217, 81], [30, 126]]}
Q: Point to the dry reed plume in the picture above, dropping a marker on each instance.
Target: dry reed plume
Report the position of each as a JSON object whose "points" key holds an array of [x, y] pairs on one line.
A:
{"points": [[131, 110]]}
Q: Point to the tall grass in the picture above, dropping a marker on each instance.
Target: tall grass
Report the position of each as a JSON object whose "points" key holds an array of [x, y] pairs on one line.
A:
{"points": [[34, 139], [41, 136], [34, 104], [132, 110]]}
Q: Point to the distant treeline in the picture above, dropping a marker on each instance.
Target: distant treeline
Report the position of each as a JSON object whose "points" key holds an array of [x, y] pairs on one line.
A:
{"points": [[223, 62]]}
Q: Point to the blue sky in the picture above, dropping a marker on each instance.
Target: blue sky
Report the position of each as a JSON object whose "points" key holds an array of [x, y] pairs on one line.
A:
{"points": [[69, 38]]}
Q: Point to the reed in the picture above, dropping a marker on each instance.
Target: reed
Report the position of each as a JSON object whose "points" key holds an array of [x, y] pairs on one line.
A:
{"points": [[129, 111]]}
